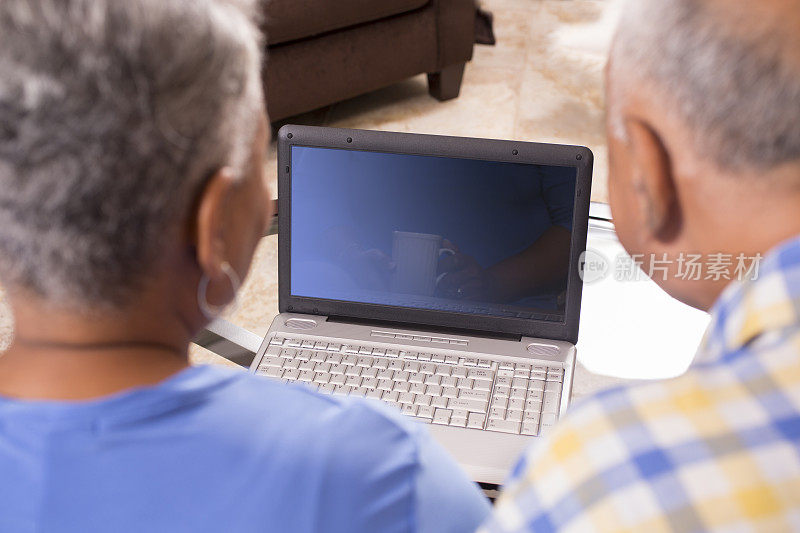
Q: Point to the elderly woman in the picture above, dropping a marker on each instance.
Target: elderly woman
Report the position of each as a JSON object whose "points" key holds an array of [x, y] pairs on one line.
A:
{"points": [[132, 196]]}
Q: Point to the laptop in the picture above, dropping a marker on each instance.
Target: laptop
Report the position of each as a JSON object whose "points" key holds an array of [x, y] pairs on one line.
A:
{"points": [[436, 274]]}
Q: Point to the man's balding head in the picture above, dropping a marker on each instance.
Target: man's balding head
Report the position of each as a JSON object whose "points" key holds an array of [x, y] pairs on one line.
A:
{"points": [[729, 69], [704, 131]]}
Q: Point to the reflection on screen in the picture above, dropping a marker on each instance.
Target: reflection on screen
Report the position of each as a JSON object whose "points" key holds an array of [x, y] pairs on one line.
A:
{"points": [[458, 235]]}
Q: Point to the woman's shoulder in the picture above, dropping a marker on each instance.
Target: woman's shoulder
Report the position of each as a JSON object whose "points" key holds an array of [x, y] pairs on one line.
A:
{"points": [[296, 412]]}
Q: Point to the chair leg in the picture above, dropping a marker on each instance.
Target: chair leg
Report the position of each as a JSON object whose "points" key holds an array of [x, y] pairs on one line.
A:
{"points": [[445, 84]]}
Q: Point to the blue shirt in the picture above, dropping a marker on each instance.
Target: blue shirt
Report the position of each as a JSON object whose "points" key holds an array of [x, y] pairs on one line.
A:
{"points": [[212, 449]]}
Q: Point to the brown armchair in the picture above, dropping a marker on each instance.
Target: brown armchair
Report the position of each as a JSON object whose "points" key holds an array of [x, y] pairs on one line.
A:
{"points": [[325, 51]]}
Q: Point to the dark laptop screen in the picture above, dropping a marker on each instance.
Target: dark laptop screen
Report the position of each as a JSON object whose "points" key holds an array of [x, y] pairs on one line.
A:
{"points": [[458, 235]]}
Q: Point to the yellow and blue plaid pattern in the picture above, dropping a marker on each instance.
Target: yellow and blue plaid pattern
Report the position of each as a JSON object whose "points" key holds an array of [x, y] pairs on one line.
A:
{"points": [[715, 449]]}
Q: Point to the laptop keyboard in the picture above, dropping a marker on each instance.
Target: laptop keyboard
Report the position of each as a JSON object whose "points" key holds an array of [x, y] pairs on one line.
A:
{"points": [[438, 388]]}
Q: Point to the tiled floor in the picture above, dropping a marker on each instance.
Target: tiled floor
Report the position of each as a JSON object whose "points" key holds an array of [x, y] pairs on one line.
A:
{"points": [[541, 82]]}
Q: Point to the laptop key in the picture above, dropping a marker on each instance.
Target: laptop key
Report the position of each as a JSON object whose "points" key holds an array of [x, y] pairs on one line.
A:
{"points": [[456, 421], [515, 415], [327, 388], [449, 392], [518, 393], [370, 372], [442, 416], [431, 379], [427, 368], [516, 403], [459, 372], [497, 413], [552, 387], [273, 372], [334, 358], [474, 394], [476, 406], [322, 378], [482, 384], [504, 426], [449, 381], [480, 373], [406, 397], [439, 401], [417, 388], [422, 399], [531, 415], [434, 390], [272, 361], [369, 383], [409, 409], [390, 396], [476, 420], [519, 382], [464, 383], [425, 411]]}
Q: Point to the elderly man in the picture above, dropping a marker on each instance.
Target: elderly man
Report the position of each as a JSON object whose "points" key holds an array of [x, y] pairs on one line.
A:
{"points": [[704, 138]]}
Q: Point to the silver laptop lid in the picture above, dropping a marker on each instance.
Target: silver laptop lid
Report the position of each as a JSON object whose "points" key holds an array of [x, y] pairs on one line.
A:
{"points": [[474, 234]]}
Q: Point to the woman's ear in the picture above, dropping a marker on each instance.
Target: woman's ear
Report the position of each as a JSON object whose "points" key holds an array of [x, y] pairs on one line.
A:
{"points": [[209, 223], [653, 181]]}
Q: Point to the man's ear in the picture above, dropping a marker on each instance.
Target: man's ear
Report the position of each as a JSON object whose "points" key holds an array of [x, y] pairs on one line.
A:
{"points": [[209, 223], [654, 181]]}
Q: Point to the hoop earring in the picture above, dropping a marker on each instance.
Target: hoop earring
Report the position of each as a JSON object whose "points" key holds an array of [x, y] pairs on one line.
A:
{"points": [[213, 311]]}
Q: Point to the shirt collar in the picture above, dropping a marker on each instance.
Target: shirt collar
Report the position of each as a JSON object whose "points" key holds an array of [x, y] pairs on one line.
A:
{"points": [[768, 301]]}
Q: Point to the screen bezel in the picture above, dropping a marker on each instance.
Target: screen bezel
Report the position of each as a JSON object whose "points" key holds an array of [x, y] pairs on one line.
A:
{"points": [[578, 157]]}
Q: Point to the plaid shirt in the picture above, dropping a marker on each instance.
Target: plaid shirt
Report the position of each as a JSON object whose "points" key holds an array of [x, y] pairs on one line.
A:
{"points": [[717, 448]]}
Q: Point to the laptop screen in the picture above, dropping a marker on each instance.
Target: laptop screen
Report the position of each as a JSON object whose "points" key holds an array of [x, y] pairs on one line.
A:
{"points": [[427, 232]]}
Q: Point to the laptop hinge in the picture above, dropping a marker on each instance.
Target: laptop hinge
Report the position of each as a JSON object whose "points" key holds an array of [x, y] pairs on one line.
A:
{"points": [[425, 327]]}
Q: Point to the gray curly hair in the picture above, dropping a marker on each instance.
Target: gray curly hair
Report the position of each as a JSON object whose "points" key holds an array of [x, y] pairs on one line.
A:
{"points": [[112, 115]]}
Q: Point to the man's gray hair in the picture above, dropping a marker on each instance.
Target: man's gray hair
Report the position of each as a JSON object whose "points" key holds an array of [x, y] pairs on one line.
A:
{"points": [[734, 83], [113, 113]]}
